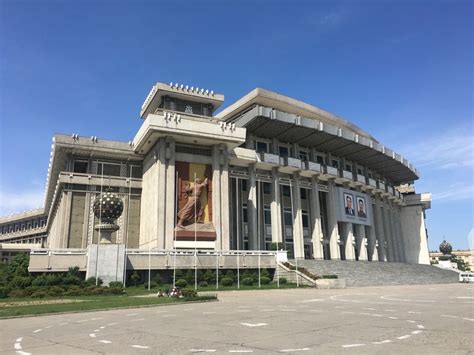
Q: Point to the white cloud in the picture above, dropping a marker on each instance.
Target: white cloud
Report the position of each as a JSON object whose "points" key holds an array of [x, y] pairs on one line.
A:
{"points": [[14, 202], [455, 193]]}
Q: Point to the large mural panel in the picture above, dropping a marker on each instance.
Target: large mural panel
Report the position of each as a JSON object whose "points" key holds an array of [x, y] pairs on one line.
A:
{"points": [[194, 207], [354, 207]]}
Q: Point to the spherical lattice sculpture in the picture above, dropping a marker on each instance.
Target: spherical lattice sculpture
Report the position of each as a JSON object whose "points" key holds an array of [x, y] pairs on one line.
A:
{"points": [[108, 206], [445, 248]]}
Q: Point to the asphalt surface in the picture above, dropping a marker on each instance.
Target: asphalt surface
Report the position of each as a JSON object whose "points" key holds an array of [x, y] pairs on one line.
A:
{"points": [[425, 319]]}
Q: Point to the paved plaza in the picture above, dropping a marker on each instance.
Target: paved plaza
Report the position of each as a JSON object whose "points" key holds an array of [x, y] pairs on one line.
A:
{"points": [[428, 319]]}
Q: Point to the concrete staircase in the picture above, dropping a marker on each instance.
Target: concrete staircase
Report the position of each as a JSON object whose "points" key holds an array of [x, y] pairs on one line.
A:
{"points": [[366, 273]]}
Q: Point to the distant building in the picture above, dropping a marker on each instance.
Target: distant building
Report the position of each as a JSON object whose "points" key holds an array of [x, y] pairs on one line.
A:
{"points": [[466, 255], [279, 172]]}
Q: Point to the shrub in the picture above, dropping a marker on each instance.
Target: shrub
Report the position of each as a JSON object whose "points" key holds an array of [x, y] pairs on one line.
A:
{"points": [[91, 281], [248, 281], [277, 246], [55, 291], [21, 281], [227, 281], [18, 293], [135, 278], [189, 276], [203, 284], [4, 291], [69, 279], [444, 257], [96, 291], [329, 276], [210, 276], [230, 274], [264, 273], [181, 283], [115, 284], [39, 294], [283, 281], [264, 280], [189, 293], [153, 284], [117, 291], [74, 291]]}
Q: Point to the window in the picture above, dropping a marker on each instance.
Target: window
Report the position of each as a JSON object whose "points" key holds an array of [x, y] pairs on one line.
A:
{"points": [[348, 167], [267, 215], [110, 169], [305, 218], [262, 147], [244, 185], [267, 188], [359, 171], [245, 218], [135, 171], [283, 151], [335, 164], [80, 166], [304, 194], [303, 155], [286, 190], [288, 217], [320, 159]]}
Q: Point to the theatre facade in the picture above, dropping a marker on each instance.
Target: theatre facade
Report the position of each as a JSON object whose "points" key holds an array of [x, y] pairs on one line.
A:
{"points": [[266, 173]]}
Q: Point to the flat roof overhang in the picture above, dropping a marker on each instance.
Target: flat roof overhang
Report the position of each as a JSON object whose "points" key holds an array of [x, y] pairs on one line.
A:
{"points": [[187, 130], [268, 123]]}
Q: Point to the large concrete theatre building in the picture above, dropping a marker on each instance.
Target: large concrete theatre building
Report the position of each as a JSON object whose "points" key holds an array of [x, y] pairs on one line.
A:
{"points": [[266, 172]]}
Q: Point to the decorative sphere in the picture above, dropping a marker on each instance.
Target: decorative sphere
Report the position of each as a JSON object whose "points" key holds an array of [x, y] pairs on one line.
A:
{"points": [[108, 206], [445, 248]]}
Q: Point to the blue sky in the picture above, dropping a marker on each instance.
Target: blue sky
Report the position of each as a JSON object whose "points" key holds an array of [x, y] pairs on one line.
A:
{"points": [[401, 70]]}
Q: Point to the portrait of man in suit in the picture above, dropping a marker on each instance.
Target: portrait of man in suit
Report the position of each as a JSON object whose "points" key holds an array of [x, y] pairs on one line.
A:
{"points": [[348, 204], [361, 212]]}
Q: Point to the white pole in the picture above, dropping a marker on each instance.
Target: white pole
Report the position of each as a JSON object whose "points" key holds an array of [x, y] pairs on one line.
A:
{"points": [[128, 226], [237, 197], [174, 237], [100, 219], [259, 230], [195, 234], [293, 230]]}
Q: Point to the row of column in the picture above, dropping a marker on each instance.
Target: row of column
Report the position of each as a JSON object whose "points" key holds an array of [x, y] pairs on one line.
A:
{"points": [[382, 241]]}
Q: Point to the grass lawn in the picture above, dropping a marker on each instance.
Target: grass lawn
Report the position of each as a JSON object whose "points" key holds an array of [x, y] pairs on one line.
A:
{"points": [[20, 306]]}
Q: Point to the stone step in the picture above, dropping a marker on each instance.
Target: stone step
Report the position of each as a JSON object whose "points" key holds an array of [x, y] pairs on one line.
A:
{"points": [[366, 273]]}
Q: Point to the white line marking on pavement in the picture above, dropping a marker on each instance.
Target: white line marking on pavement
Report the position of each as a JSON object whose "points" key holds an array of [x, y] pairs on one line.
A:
{"points": [[17, 346], [49, 326], [352, 345], [294, 350], [19, 340], [169, 315], [369, 309], [188, 309], [411, 321], [416, 331], [315, 310], [202, 350], [381, 342], [92, 335], [138, 319], [312, 300], [420, 326], [462, 297], [448, 316], [131, 314], [105, 341], [393, 317], [348, 312], [469, 319], [102, 327], [140, 347], [209, 312], [254, 324], [98, 318], [241, 351], [404, 336], [389, 310], [63, 323], [413, 312], [112, 324], [22, 352], [82, 320]]}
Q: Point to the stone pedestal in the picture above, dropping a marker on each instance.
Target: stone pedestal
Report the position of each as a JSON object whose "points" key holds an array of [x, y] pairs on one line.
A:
{"points": [[106, 261]]}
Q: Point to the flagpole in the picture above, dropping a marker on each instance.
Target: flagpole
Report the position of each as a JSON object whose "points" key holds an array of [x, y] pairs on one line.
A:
{"points": [[237, 197], [259, 185], [100, 221], [174, 237], [195, 234]]}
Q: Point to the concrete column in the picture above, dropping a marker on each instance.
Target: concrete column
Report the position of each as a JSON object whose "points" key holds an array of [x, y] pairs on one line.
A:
{"points": [[400, 234], [396, 237], [388, 233], [317, 234], [379, 230], [360, 240], [252, 208], [298, 238], [66, 219], [225, 201], [347, 236], [85, 229], [170, 193], [158, 240], [414, 230], [332, 221], [275, 208], [216, 195], [372, 247]]}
